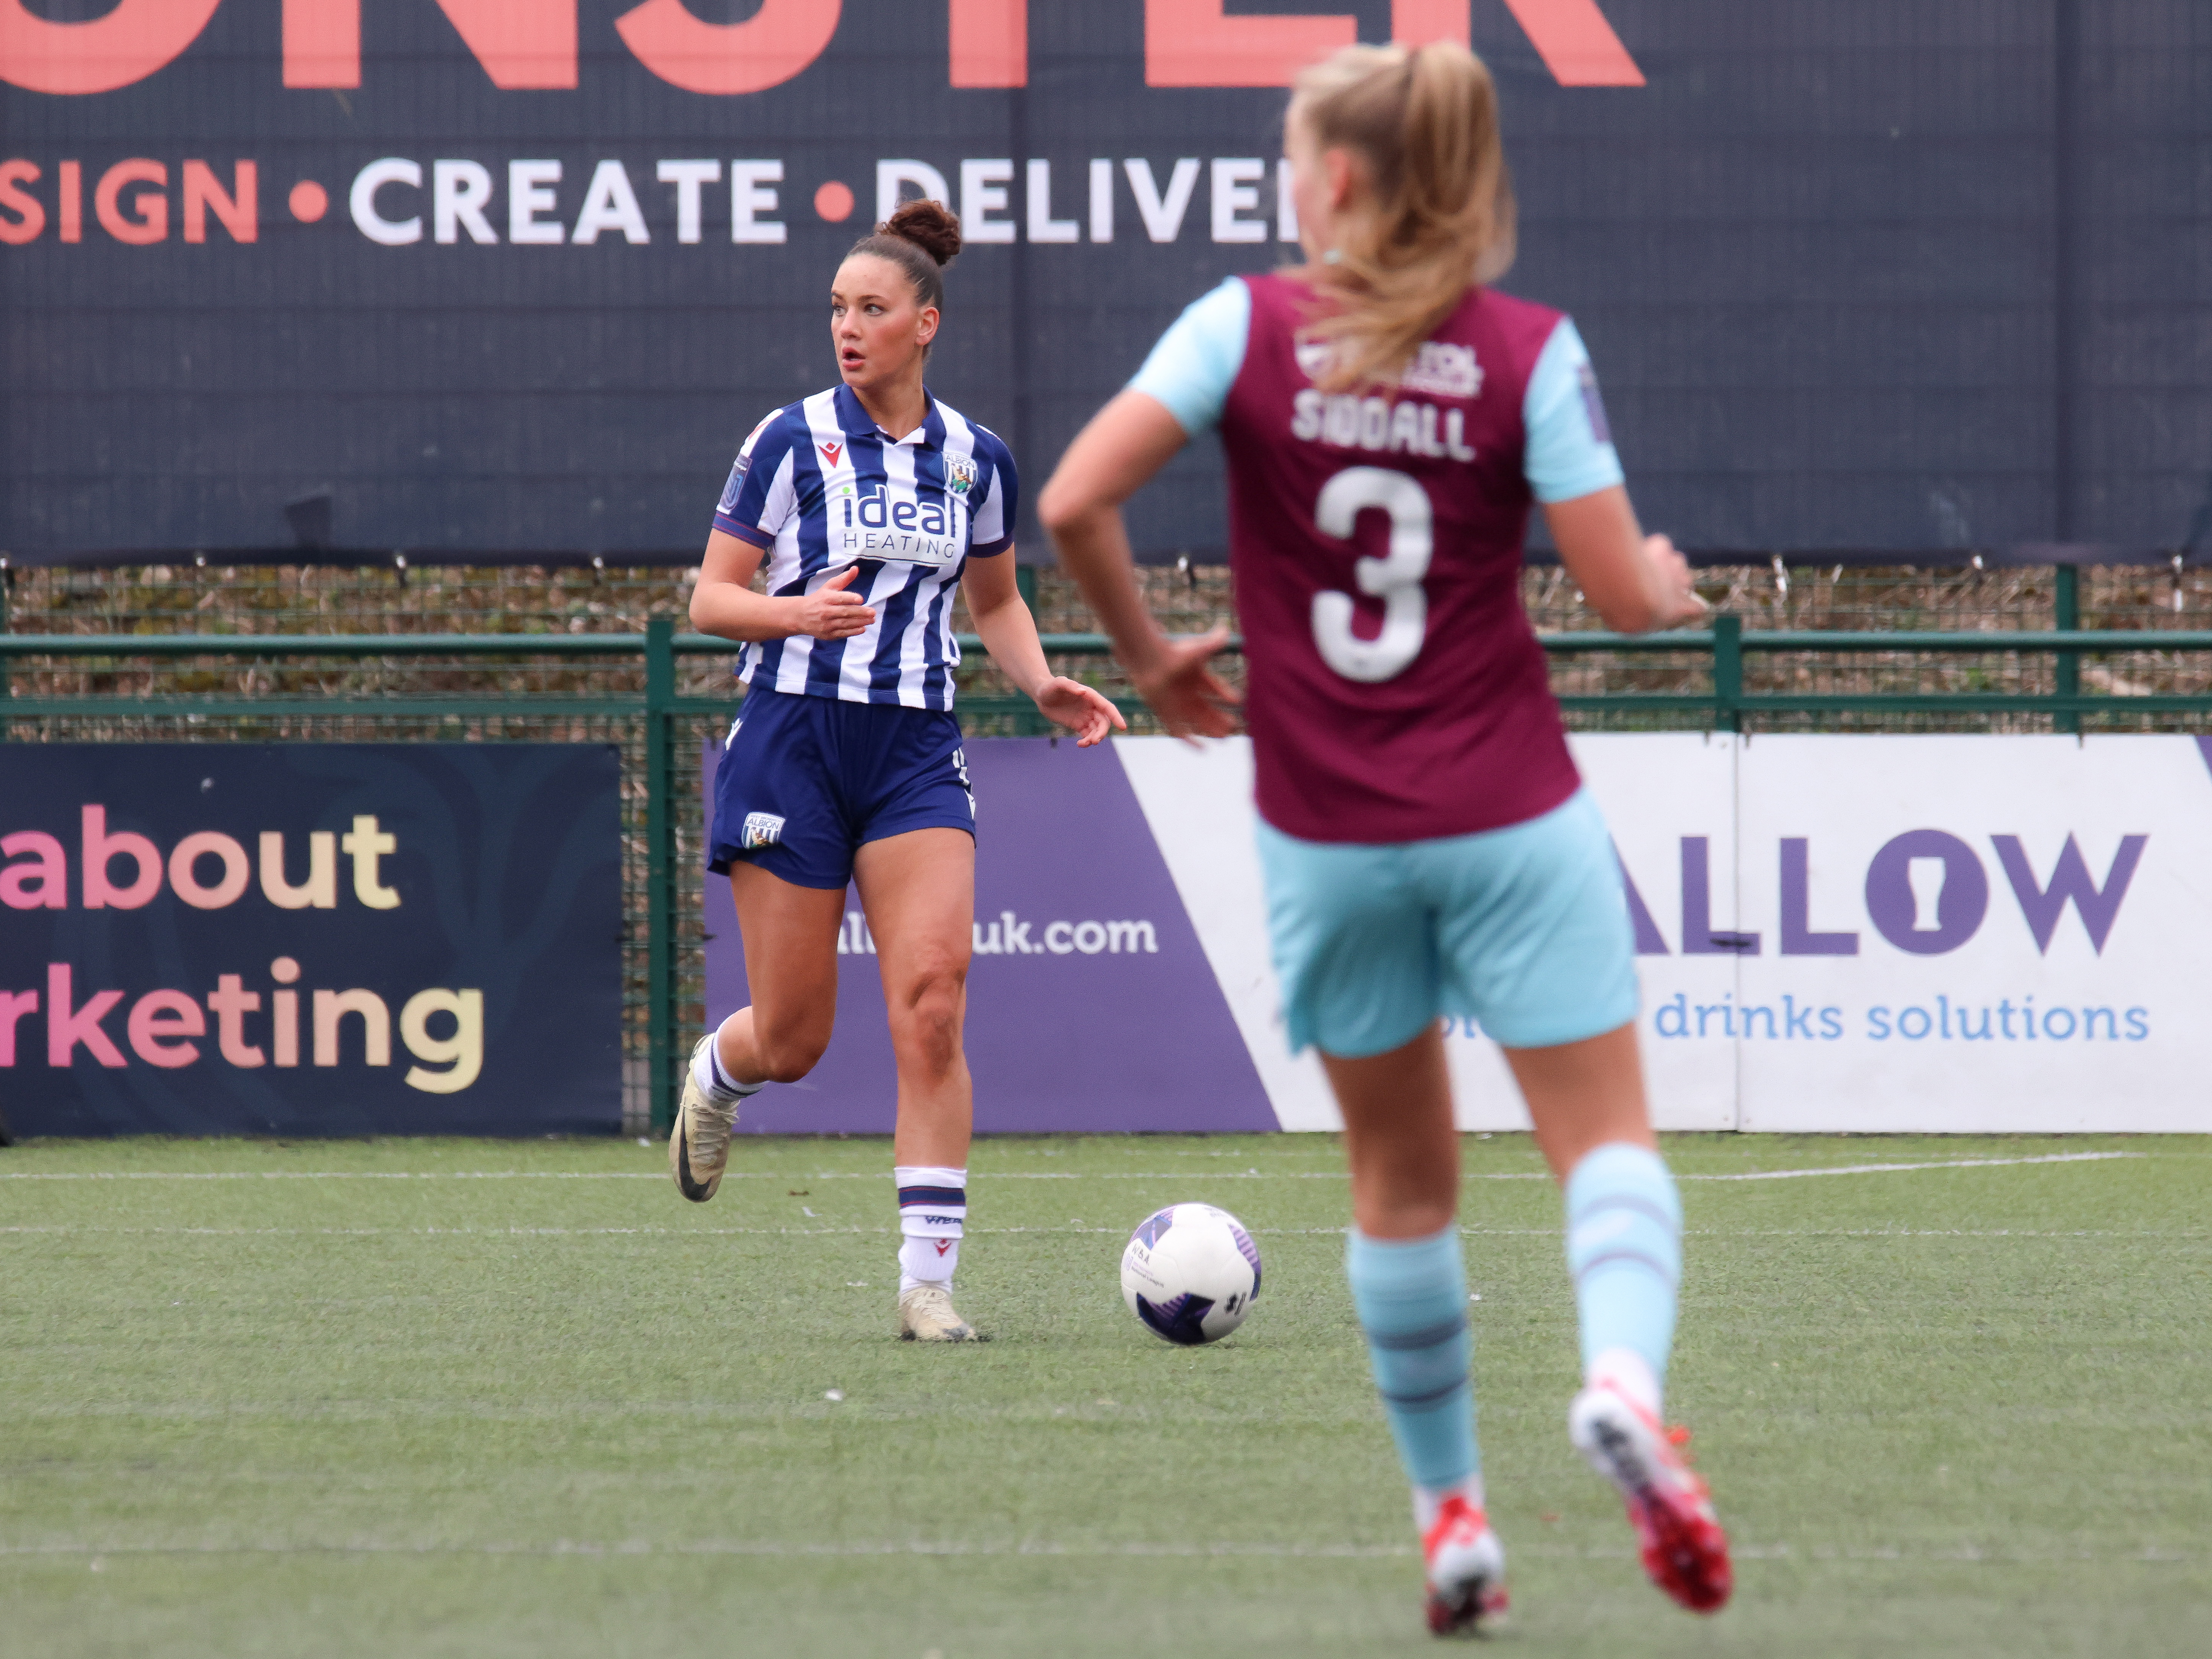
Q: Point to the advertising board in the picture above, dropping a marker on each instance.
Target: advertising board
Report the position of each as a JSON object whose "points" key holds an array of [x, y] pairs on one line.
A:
{"points": [[475, 278], [1836, 933], [309, 938], [1090, 1002]]}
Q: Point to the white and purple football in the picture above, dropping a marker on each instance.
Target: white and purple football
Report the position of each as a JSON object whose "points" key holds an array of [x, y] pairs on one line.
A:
{"points": [[1191, 1273]]}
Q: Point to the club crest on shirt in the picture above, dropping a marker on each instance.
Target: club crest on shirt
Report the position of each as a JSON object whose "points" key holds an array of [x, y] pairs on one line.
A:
{"points": [[762, 829], [1439, 368], [959, 474], [1443, 370]]}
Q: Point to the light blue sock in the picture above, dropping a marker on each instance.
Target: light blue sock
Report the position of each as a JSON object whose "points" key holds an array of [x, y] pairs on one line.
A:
{"points": [[1625, 1250], [1411, 1295]]}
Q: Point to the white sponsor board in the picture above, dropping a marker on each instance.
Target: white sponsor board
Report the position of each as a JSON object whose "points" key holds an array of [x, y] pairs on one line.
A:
{"points": [[1945, 933]]}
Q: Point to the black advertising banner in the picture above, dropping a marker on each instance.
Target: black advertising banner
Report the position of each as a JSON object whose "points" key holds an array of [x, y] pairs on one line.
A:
{"points": [[300, 939], [473, 276]]}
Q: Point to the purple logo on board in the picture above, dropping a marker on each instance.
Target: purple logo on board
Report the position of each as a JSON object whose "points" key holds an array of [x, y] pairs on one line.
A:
{"points": [[1927, 892], [1921, 872]]}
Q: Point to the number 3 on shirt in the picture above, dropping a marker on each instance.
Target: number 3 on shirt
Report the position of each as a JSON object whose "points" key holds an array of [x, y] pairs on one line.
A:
{"points": [[1395, 578]]}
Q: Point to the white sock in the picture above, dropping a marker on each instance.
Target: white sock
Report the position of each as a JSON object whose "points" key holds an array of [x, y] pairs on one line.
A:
{"points": [[1631, 1373], [933, 1214], [715, 1082], [1427, 1501]]}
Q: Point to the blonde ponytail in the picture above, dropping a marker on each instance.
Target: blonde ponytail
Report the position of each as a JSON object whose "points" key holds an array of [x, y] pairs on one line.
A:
{"points": [[1422, 125]]}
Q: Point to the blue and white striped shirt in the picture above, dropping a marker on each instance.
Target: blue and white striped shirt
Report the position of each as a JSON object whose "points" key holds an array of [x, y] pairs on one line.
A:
{"points": [[821, 487]]}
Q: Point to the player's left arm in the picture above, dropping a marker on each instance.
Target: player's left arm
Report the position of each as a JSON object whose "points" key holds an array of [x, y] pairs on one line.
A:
{"points": [[1638, 583], [1008, 633]]}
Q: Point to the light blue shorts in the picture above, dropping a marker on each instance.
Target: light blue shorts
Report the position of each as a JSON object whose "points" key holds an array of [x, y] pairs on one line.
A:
{"points": [[1524, 930]]}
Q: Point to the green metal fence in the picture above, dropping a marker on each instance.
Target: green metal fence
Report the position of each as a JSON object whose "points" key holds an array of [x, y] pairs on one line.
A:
{"points": [[660, 695]]}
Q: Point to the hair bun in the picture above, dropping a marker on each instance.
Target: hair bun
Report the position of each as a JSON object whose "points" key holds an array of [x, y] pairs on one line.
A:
{"points": [[930, 226]]}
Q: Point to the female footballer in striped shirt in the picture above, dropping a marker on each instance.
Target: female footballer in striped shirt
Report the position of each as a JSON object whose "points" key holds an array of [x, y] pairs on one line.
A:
{"points": [[872, 502]]}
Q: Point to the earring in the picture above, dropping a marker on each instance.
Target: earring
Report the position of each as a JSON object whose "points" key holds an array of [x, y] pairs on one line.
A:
{"points": [[1333, 256]]}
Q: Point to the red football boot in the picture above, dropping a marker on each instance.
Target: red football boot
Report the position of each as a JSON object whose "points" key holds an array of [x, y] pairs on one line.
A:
{"points": [[1685, 1550], [1466, 1568]]}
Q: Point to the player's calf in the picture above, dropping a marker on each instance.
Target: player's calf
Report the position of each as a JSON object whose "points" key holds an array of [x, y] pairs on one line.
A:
{"points": [[1411, 1297], [1625, 1250]]}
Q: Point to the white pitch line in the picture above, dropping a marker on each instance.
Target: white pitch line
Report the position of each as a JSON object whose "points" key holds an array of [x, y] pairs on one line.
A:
{"points": [[772, 1549], [733, 1547], [1468, 1229], [1008, 1175], [1892, 1169], [345, 1174], [632, 1175]]}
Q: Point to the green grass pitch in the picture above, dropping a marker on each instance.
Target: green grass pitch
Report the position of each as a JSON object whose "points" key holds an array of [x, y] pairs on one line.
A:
{"points": [[1960, 1411]]}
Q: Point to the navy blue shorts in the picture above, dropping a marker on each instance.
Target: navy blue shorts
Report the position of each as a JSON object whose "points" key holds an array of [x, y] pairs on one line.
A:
{"points": [[804, 783]]}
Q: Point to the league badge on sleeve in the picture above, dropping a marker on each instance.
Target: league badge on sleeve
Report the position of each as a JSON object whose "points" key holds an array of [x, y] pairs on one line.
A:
{"points": [[745, 449], [1593, 404]]}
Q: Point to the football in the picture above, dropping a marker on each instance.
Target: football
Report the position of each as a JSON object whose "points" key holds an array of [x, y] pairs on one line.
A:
{"points": [[1191, 1273]]}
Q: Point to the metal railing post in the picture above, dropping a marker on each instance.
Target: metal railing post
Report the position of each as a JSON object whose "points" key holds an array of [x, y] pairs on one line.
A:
{"points": [[660, 870], [1728, 673], [1028, 723], [2067, 593]]}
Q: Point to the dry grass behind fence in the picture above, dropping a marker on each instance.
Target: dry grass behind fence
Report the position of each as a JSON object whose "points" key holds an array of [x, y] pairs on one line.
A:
{"points": [[511, 600]]}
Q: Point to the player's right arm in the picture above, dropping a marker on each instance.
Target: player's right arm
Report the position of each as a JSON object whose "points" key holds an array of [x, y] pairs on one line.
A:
{"points": [[1177, 395], [724, 605], [757, 503]]}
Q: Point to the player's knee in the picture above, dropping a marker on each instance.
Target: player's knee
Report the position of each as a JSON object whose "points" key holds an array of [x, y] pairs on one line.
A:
{"points": [[789, 1053], [789, 1065], [930, 1011]]}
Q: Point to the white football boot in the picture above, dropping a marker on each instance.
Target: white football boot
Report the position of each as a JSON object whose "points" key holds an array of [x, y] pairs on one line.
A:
{"points": [[1684, 1551], [1466, 1566], [699, 1144], [926, 1314]]}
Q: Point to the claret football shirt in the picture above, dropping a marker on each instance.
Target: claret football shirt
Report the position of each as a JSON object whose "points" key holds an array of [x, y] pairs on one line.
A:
{"points": [[1396, 691]]}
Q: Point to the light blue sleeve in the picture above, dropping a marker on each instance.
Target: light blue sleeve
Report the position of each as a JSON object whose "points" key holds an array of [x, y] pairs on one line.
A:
{"points": [[1192, 368], [1569, 447]]}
